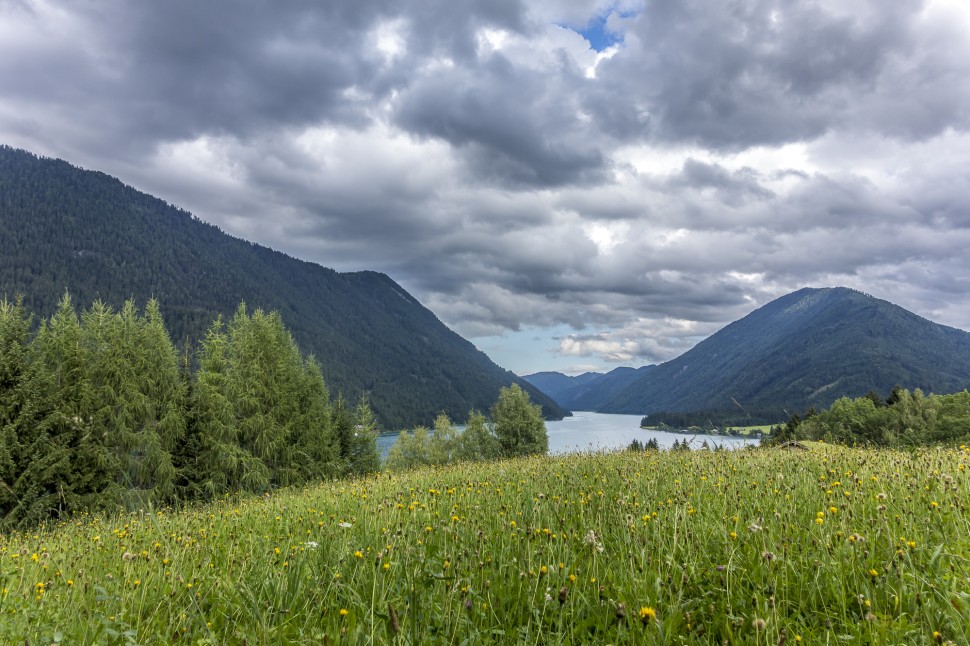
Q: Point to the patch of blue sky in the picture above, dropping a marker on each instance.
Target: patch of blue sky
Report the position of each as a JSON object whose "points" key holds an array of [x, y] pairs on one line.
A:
{"points": [[597, 31], [530, 350]]}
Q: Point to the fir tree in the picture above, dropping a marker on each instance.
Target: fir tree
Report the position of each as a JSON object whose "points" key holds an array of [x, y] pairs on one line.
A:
{"points": [[262, 389], [84, 467], [22, 441], [135, 399], [314, 439], [214, 462], [364, 457]]}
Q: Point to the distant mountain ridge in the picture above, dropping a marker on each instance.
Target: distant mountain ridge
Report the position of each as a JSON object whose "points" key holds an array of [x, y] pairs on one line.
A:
{"points": [[807, 348], [588, 390], [64, 228]]}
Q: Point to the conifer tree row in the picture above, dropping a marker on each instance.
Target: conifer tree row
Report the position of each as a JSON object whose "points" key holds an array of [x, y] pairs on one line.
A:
{"points": [[100, 412]]}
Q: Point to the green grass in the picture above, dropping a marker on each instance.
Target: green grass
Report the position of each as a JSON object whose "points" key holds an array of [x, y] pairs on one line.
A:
{"points": [[745, 430], [831, 545]]}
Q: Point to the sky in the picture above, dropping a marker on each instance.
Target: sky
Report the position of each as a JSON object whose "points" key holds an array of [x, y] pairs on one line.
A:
{"points": [[572, 185]]}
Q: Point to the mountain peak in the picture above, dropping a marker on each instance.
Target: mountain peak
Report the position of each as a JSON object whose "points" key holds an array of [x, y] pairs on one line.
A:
{"points": [[806, 348]]}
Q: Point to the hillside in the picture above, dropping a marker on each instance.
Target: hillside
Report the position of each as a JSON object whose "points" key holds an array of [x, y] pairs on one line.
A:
{"points": [[588, 390], [64, 228], [805, 349], [557, 385]]}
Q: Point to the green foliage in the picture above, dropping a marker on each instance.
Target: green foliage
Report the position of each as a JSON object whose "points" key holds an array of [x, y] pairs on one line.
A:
{"points": [[446, 445], [25, 449], [518, 422], [363, 457], [443, 447], [478, 441], [102, 412], [135, 399], [649, 445], [910, 419], [87, 472], [214, 461], [410, 450]]}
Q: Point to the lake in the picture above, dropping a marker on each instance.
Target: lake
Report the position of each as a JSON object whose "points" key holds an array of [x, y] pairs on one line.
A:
{"points": [[600, 431]]}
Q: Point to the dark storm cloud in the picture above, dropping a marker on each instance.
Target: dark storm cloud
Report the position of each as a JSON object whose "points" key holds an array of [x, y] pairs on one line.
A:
{"points": [[732, 75], [716, 156], [514, 125]]}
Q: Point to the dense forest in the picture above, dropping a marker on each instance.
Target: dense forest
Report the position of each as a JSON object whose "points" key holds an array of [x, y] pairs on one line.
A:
{"points": [[68, 229], [903, 419], [100, 411]]}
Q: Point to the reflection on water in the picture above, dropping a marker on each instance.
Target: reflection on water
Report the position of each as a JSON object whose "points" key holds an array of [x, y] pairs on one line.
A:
{"points": [[599, 431]]}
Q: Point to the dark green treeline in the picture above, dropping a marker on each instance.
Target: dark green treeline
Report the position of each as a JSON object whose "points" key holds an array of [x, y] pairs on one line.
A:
{"points": [[100, 411]]}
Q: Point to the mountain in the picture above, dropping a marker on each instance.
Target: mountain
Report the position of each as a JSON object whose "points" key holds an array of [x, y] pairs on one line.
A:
{"points": [[556, 384], [588, 390], [805, 349], [64, 228]]}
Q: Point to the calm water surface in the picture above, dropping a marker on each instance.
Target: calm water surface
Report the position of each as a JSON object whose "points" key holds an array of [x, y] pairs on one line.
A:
{"points": [[600, 431]]}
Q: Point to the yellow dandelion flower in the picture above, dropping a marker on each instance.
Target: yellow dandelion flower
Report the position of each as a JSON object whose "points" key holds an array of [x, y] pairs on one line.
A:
{"points": [[647, 613], [344, 612]]}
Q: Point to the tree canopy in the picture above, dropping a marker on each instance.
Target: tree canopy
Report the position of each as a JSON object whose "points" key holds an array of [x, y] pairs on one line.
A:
{"points": [[100, 412]]}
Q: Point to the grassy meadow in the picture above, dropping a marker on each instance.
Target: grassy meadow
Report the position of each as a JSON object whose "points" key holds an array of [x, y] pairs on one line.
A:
{"points": [[831, 545]]}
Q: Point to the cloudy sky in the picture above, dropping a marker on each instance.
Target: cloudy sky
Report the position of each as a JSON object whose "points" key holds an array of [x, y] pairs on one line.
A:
{"points": [[570, 184]]}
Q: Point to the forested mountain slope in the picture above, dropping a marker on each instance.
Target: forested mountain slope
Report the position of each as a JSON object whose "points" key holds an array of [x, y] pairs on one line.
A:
{"points": [[67, 229], [805, 349]]}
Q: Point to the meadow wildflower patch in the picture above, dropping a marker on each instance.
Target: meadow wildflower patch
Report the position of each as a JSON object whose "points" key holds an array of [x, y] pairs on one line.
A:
{"points": [[750, 546]]}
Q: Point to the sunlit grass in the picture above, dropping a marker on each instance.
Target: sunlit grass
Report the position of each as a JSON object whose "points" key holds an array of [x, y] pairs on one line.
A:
{"points": [[753, 546]]}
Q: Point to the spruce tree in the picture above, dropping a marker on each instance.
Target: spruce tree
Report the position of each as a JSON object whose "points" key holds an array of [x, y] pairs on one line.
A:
{"points": [[14, 331], [84, 468], [22, 440], [266, 371], [314, 438], [135, 399], [364, 457], [342, 424], [214, 462]]}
